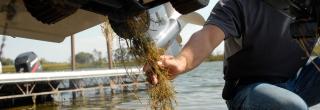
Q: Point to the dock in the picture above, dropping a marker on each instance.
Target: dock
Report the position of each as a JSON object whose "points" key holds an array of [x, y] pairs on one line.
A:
{"points": [[55, 83]]}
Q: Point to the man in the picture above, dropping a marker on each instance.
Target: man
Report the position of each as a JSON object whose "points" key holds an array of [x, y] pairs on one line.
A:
{"points": [[262, 58]]}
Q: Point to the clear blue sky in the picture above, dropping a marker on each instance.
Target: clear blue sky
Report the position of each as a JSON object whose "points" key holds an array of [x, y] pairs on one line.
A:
{"points": [[86, 41]]}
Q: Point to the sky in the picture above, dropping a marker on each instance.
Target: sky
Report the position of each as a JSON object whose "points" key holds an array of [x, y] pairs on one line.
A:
{"points": [[85, 41]]}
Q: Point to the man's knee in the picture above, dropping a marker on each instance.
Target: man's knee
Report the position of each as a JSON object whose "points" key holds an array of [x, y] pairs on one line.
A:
{"points": [[270, 97]]}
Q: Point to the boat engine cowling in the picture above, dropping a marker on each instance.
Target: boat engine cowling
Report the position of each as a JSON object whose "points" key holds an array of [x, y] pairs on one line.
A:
{"points": [[27, 62]]}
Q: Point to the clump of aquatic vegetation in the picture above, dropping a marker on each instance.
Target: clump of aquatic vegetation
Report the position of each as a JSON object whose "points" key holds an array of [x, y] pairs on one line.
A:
{"points": [[143, 48]]}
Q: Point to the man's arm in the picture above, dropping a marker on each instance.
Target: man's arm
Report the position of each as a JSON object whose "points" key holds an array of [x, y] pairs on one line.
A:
{"points": [[194, 52], [200, 46]]}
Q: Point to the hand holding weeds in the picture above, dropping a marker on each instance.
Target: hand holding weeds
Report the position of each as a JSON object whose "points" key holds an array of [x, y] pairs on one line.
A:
{"points": [[174, 65]]}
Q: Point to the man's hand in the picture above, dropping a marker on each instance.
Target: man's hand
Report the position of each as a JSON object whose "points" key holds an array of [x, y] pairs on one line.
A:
{"points": [[175, 66], [199, 47]]}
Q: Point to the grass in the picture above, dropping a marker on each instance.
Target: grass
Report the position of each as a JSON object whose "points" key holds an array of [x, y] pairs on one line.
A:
{"points": [[215, 58], [67, 67]]}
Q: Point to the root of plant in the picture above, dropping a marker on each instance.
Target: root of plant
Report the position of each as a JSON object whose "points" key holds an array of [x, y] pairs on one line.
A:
{"points": [[162, 94], [134, 30]]}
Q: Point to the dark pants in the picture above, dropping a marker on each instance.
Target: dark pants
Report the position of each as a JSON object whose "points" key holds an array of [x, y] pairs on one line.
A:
{"points": [[298, 93]]}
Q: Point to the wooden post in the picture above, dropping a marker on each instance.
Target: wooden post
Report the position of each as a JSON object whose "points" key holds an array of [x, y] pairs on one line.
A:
{"points": [[73, 58], [108, 34], [73, 65], [109, 46]]}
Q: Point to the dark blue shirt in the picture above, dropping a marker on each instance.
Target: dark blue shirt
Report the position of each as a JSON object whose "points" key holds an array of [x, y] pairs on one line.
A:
{"points": [[258, 42]]}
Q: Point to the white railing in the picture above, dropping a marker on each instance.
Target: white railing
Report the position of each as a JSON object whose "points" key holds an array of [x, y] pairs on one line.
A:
{"points": [[51, 76]]}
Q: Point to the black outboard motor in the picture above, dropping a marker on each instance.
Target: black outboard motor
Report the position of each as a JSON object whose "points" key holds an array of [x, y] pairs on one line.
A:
{"points": [[27, 62]]}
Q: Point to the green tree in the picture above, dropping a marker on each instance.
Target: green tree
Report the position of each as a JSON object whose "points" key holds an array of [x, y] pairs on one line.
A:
{"points": [[6, 61], [43, 61], [98, 57], [84, 58]]}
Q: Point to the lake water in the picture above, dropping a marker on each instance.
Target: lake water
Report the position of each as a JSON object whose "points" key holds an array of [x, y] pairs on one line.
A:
{"points": [[199, 89]]}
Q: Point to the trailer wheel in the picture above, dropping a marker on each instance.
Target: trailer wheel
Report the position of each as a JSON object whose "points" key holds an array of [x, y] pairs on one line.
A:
{"points": [[187, 6]]}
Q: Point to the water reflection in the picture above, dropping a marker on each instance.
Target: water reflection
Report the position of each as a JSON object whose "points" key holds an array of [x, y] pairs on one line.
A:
{"points": [[92, 100]]}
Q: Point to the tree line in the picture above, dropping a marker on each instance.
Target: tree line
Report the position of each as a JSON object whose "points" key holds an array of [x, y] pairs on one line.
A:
{"points": [[95, 57]]}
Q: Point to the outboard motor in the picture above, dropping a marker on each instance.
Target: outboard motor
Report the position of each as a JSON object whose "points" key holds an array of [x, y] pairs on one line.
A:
{"points": [[27, 62]]}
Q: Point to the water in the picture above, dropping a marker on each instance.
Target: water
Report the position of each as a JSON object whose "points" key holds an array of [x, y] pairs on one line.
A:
{"points": [[199, 89]]}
